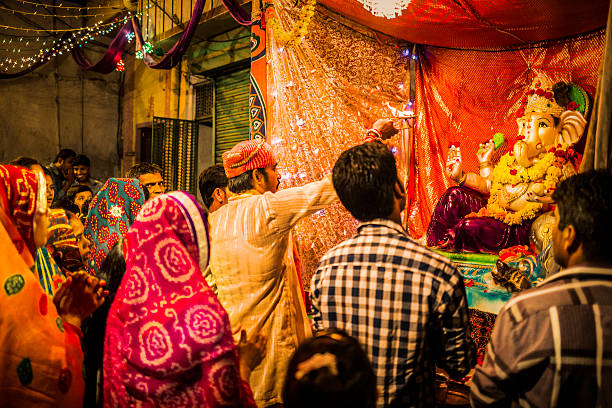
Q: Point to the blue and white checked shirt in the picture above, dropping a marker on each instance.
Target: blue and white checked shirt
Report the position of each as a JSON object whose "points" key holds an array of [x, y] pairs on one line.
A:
{"points": [[404, 303]]}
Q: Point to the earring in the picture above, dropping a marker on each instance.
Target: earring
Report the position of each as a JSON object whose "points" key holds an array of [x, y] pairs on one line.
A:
{"points": [[539, 146]]}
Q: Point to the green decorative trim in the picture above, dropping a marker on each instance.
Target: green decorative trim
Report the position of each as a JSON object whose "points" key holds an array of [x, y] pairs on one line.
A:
{"points": [[579, 95], [486, 259]]}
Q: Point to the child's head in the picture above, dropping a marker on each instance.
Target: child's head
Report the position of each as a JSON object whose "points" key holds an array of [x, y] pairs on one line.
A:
{"points": [[330, 370]]}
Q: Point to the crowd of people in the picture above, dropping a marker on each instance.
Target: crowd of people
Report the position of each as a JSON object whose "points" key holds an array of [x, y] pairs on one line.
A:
{"points": [[119, 293]]}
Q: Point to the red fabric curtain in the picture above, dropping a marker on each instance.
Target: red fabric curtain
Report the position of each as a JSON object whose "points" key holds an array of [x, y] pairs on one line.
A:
{"points": [[482, 23], [465, 97]]}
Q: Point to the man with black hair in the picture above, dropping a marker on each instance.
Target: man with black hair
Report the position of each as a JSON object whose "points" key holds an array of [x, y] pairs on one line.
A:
{"points": [[212, 183], [551, 344], [252, 256], [82, 166], [150, 177], [252, 259], [62, 172], [79, 195], [404, 303]]}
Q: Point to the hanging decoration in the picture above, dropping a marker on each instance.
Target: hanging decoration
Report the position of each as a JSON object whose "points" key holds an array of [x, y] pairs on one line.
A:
{"points": [[147, 47], [258, 78], [322, 97], [120, 66], [130, 30], [41, 14], [385, 8], [67, 42], [61, 6], [109, 60], [240, 15], [175, 54], [299, 29], [99, 24]]}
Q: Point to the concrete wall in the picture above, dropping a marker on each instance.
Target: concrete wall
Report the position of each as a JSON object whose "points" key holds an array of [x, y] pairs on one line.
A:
{"points": [[148, 93], [61, 106]]}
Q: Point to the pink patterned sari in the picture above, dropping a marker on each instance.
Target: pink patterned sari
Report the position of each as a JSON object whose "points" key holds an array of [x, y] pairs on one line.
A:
{"points": [[168, 339]]}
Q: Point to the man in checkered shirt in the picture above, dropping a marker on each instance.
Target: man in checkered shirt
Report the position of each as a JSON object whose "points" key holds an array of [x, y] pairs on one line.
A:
{"points": [[552, 345], [404, 303]]}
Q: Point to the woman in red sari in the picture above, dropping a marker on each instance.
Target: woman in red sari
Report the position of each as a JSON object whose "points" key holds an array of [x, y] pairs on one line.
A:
{"points": [[168, 339]]}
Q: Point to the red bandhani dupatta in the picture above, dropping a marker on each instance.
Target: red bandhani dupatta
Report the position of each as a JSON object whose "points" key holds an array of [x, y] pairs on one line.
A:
{"points": [[168, 339], [18, 194]]}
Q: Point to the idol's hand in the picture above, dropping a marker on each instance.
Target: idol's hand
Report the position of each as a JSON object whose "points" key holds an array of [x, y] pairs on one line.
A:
{"points": [[485, 151], [454, 165]]}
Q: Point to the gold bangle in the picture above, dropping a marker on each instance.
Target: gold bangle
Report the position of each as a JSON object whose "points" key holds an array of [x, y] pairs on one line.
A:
{"points": [[484, 165]]}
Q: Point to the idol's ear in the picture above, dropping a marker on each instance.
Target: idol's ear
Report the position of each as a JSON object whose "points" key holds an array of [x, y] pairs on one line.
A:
{"points": [[572, 127]]}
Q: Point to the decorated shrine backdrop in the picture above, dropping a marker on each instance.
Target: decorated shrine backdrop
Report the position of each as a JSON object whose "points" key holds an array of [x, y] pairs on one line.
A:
{"points": [[322, 96], [465, 97], [324, 93]]}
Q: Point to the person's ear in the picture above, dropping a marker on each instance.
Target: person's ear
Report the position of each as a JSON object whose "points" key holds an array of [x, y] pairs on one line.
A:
{"points": [[398, 190], [570, 239], [218, 195], [257, 176]]}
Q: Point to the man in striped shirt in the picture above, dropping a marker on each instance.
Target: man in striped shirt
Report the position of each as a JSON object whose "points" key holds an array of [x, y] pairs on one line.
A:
{"points": [[552, 345], [404, 303]]}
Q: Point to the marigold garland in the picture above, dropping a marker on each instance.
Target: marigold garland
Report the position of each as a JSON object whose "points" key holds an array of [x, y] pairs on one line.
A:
{"points": [[299, 30], [548, 169]]}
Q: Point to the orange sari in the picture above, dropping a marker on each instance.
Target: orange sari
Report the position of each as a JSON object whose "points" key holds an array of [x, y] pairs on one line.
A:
{"points": [[40, 355]]}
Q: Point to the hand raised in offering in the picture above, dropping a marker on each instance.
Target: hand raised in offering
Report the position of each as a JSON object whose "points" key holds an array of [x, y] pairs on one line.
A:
{"points": [[79, 296], [454, 164], [386, 128]]}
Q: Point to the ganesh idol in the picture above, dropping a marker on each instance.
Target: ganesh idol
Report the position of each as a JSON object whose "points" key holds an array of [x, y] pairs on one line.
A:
{"points": [[496, 208]]}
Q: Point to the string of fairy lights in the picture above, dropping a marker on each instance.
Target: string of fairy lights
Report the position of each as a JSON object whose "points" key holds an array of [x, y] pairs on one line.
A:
{"points": [[51, 48], [25, 46]]}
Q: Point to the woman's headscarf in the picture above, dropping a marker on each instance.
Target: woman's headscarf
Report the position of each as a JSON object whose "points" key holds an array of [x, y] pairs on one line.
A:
{"points": [[62, 244], [40, 354], [60, 255], [22, 193], [111, 213], [168, 339]]}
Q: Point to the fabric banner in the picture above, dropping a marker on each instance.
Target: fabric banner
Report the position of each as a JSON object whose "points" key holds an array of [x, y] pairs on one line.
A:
{"points": [[465, 97], [259, 89], [323, 94]]}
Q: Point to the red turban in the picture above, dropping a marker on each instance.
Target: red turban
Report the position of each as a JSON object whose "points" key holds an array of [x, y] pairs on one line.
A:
{"points": [[247, 155]]}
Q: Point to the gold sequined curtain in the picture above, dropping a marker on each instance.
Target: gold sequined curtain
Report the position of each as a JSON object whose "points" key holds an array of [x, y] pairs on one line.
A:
{"points": [[322, 96]]}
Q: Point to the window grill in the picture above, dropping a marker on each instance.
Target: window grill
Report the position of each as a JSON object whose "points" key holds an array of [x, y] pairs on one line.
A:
{"points": [[204, 100], [175, 149]]}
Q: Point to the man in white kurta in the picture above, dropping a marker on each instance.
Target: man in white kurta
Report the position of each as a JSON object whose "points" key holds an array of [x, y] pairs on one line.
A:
{"points": [[252, 260]]}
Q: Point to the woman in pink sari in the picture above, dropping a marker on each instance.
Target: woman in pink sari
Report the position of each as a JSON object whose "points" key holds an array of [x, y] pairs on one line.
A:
{"points": [[168, 339]]}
